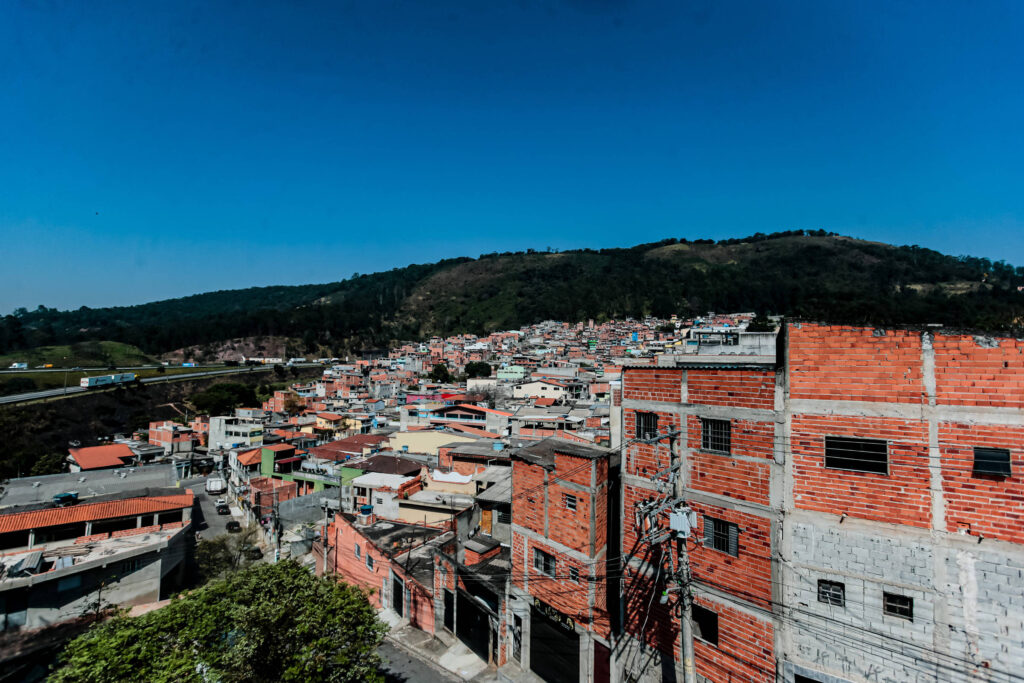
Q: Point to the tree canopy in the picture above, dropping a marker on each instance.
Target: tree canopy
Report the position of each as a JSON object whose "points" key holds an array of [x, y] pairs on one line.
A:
{"points": [[270, 622], [478, 369], [223, 398], [440, 373]]}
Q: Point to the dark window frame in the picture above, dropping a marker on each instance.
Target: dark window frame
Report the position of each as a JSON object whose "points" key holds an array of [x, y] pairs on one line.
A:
{"points": [[854, 454], [832, 592], [543, 562], [646, 425], [722, 536], [574, 574], [993, 462], [705, 624], [899, 606], [716, 435]]}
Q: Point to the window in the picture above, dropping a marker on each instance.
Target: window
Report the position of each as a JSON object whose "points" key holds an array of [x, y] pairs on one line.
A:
{"points": [[832, 593], [705, 624], [898, 606], [361, 492], [646, 425], [359, 551], [574, 574], [543, 562], [992, 461], [570, 502], [716, 435], [128, 566], [369, 562], [859, 455], [721, 535], [378, 500], [504, 517], [69, 582]]}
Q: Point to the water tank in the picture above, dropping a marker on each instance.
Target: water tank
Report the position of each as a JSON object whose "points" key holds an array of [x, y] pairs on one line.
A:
{"points": [[498, 446], [366, 509]]}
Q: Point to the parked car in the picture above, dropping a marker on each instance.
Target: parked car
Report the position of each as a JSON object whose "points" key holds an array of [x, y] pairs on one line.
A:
{"points": [[221, 501], [223, 510], [234, 527]]}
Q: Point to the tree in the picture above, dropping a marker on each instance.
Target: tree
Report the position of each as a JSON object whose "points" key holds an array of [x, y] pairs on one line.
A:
{"points": [[478, 369], [224, 555], [271, 622], [292, 404], [440, 373]]}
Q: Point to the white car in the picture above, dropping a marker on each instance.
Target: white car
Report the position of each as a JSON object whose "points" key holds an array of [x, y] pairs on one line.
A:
{"points": [[221, 501]]}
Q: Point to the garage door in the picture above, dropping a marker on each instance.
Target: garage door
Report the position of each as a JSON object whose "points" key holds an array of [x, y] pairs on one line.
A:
{"points": [[472, 626], [554, 649]]}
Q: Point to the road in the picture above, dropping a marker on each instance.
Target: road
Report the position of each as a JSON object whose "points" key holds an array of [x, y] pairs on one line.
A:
{"points": [[52, 393], [401, 667]]}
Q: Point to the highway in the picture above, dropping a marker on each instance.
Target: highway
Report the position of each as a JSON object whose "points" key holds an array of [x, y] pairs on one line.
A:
{"points": [[51, 393]]}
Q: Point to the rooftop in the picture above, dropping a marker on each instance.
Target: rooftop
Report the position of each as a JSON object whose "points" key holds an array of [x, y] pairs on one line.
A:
{"points": [[42, 489]]}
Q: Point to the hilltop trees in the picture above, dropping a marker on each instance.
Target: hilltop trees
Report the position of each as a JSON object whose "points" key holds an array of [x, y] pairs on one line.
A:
{"points": [[271, 622]]}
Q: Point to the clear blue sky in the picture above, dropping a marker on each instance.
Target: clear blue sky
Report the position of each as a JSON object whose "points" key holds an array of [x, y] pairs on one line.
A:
{"points": [[158, 149]]}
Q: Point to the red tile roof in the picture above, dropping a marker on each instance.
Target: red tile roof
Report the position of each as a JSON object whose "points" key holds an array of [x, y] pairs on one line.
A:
{"points": [[92, 512], [544, 402], [250, 457], [278, 447], [473, 431], [98, 457]]}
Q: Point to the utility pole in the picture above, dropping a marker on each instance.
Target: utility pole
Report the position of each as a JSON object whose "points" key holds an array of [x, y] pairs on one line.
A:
{"points": [[683, 570]]}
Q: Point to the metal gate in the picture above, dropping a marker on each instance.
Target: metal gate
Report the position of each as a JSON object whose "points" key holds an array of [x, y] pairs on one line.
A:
{"points": [[554, 649], [472, 626]]}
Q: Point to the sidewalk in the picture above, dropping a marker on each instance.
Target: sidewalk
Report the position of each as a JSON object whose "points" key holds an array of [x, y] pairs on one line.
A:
{"points": [[456, 659]]}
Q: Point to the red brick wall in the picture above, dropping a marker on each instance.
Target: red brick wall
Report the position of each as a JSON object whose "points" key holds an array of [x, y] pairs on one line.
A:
{"points": [[646, 619], [353, 569], [967, 373], [653, 384], [745, 650], [992, 506], [646, 459], [855, 364], [561, 592], [901, 496], [749, 574], [740, 388]]}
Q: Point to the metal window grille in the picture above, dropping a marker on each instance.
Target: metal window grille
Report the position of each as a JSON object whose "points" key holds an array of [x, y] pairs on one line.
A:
{"points": [[716, 435], [898, 606], [721, 535], [858, 455], [570, 502], [646, 425], [574, 574], [504, 517], [832, 593], [705, 624], [543, 562], [992, 461]]}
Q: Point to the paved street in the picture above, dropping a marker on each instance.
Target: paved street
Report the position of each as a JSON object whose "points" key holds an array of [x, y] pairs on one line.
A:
{"points": [[206, 520], [400, 667]]}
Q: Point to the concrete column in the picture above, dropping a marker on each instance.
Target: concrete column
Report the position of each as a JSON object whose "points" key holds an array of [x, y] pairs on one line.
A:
{"points": [[31, 537], [88, 528], [138, 522]]}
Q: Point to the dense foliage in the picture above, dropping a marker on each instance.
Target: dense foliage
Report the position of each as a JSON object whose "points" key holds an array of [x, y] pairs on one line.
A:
{"points": [[814, 275], [270, 622], [223, 398]]}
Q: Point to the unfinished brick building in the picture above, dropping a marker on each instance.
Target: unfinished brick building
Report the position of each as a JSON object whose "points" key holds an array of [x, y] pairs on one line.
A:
{"points": [[860, 502]]}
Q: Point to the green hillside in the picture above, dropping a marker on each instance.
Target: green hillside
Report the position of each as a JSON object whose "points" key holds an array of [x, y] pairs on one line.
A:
{"points": [[808, 275]]}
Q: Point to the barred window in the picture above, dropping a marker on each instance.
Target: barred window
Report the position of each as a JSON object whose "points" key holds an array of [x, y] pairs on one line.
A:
{"points": [[570, 502], [716, 435], [543, 562], [832, 593], [898, 606], [721, 535], [994, 461], [646, 425], [858, 455], [504, 517], [574, 574]]}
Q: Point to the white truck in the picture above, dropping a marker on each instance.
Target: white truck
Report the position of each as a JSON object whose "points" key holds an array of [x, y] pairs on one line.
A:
{"points": [[216, 485], [18, 366]]}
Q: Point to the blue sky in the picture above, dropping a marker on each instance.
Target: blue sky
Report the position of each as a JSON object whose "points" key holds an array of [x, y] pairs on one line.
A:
{"points": [[158, 149]]}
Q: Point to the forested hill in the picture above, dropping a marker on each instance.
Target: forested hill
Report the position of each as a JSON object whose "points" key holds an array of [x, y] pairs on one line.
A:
{"points": [[808, 275]]}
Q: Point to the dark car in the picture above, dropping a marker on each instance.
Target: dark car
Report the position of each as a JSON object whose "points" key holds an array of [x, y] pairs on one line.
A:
{"points": [[234, 527], [223, 510]]}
